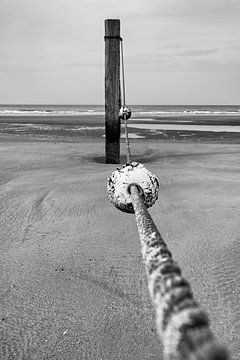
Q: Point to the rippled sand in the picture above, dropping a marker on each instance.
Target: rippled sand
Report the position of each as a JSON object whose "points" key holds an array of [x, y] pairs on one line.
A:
{"points": [[73, 284]]}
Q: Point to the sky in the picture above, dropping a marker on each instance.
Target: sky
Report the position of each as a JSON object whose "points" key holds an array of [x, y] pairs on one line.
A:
{"points": [[175, 51]]}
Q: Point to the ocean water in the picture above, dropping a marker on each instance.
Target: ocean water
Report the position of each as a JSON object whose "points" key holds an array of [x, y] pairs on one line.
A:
{"points": [[147, 121], [141, 111]]}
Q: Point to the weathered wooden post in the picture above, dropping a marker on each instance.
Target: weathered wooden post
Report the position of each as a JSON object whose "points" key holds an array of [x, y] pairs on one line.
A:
{"points": [[112, 91]]}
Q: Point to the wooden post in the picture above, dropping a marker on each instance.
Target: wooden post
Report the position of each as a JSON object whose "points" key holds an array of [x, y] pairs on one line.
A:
{"points": [[112, 93]]}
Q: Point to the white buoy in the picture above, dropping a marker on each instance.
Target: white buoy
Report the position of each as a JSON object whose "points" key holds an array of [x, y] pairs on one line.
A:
{"points": [[120, 181]]}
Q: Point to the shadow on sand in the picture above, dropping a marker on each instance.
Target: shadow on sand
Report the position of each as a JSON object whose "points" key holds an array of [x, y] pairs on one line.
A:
{"points": [[123, 159]]}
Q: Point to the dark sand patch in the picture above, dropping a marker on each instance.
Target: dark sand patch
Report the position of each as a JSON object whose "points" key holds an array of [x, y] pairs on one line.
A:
{"points": [[74, 128]]}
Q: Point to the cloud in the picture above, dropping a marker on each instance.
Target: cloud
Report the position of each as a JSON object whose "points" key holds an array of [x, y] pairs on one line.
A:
{"points": [[198, 52], [200, 11], [215, 66], [55, 40]]}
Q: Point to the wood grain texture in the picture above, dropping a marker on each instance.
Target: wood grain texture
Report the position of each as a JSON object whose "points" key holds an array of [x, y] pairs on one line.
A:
{"points": [[112, 78]]}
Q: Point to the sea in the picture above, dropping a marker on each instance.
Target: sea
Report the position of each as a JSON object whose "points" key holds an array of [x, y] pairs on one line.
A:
{"points": [[137, 110], [169, 122]]}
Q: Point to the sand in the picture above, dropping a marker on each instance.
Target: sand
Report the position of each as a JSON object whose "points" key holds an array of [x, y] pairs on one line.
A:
{"points": [[212, 128], [73, 283]]}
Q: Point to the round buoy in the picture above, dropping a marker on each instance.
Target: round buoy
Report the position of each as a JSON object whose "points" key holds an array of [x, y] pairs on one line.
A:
{"points": [[125, 113], [121, 179]]}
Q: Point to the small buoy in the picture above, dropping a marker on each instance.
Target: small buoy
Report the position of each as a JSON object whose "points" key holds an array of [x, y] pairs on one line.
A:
{"points": [[125, 112], [121, 179]]}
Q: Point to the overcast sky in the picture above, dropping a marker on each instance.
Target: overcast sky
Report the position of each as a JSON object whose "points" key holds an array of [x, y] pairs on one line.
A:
{"points": [[176, 51]]}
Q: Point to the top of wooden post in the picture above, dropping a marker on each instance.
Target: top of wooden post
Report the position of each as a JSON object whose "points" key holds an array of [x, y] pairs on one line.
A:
{"points": [[112, 27]]}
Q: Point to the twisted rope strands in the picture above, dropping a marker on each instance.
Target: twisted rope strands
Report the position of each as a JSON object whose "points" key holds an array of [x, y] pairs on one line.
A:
{"points": [[183, 327]]}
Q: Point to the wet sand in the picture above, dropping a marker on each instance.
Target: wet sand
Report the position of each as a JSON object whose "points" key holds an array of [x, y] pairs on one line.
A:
{"points": [[73, 283], [215, 129]]}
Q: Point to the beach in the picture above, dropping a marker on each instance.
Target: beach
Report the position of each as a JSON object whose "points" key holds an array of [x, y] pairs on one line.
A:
{"points": [[73, 282]]}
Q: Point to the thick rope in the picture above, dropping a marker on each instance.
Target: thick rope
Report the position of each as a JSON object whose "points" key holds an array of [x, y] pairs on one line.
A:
{"points": [[124, 105], [182, 325]]}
